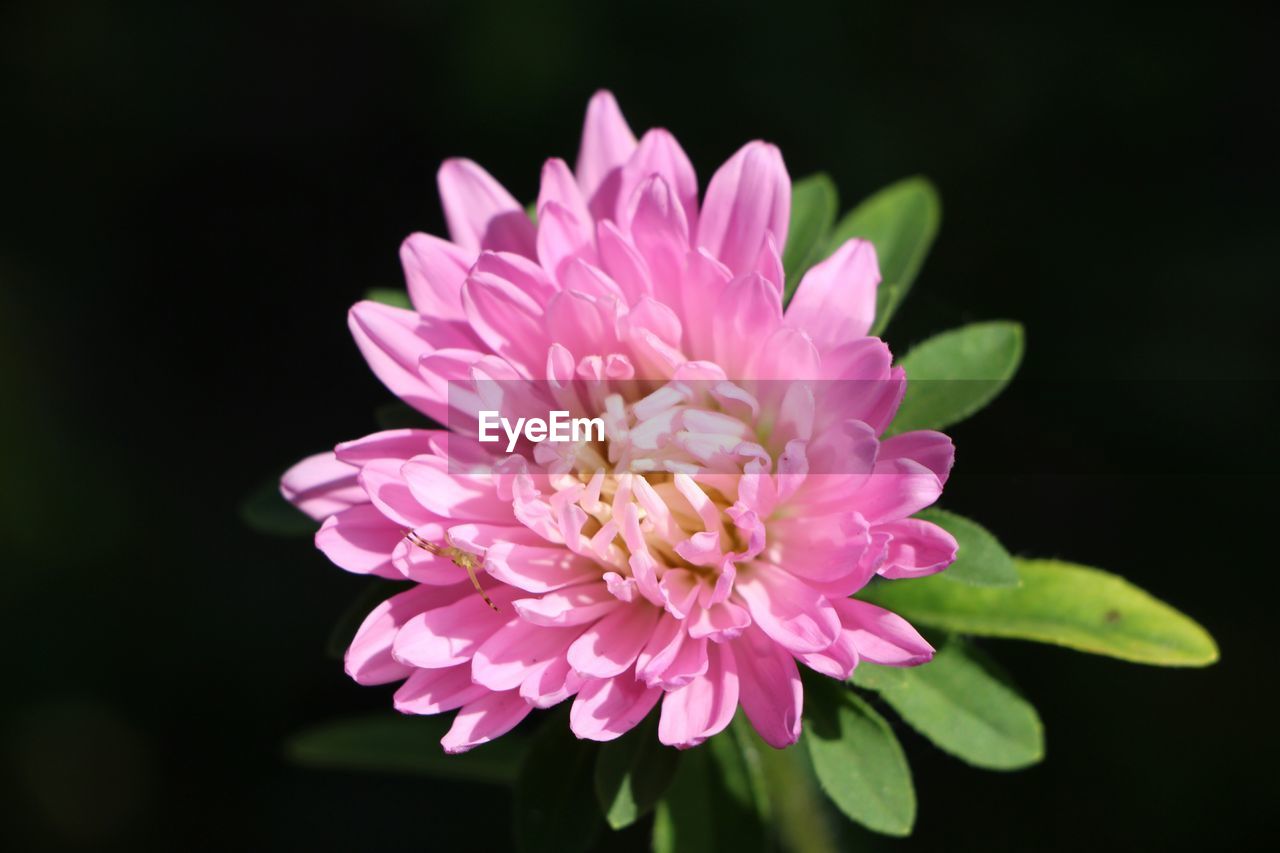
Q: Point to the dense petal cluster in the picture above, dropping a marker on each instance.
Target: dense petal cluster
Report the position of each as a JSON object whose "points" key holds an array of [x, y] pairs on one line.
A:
{"points": [[712, 542]]}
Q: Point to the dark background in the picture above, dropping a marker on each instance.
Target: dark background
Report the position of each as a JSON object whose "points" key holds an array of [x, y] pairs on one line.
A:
{"points": [[194, 193]]}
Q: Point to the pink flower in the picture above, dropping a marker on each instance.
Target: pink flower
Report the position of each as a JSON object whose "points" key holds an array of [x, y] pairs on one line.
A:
{"points": [[712, 543]]}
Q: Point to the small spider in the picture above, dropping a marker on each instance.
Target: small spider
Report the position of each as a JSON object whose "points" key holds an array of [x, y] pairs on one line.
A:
{"points": [[461, 558]]}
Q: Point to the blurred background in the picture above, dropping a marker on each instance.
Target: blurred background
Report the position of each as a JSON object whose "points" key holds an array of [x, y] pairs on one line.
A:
{"points": [[195, 192]]}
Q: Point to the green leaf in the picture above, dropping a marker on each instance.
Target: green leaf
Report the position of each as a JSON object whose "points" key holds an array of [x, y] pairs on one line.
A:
{"points": [[710, 806], [682, 820], [555, 804], [901, 221], [961, 704], [632, 772], [814, 203], [392, 743], [751, 763], [741, 774], [372, 593], [399, 415], [389, 296], [981, 559], [266, 511], [736, 794], [955, 374], [793, 803], [857, 759], [1061, 603]]}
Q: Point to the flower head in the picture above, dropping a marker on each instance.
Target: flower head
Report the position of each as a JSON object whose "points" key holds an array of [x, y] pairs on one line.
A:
{"points": [[711, 543]]}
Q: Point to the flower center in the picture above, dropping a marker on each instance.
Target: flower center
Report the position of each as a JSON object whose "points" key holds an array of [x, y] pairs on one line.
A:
{"points": [[661, 487]]}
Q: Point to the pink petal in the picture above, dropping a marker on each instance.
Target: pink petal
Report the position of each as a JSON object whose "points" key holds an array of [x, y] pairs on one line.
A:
{"points": [[660, 233], [369, 657], [607, 142], [864, 387], [559, 186], [931, 449], [507, 319], [882, 636], [840, 461], [432, 691], [836, 662], [434, 270], [701, 549], [478, 538], [705, 281], [864, 359], [512, 652], [587, 326], [360, 540], [654, 358], [690, 661], [788, 354], [822, 549], [522, 274], [485, 719], [896, 489], [623, 589], [660, 651], [623, 262], [394, 444], [607, 708], [769, 688], [660, 154], [882, 406], [392, 340], [769, 264], [321, 485], [563, 237], [551, 683], [720, 622], [481, 214], [750, 310], [704, 706], [787, 609], [918, 548], [584, 277], [651, 315], [382, 481], [610, 646], [748, 197], [532, 509], [454, 496], [449, 635], [679, 589], [836, 300], [575, 605], [537, 568]]}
